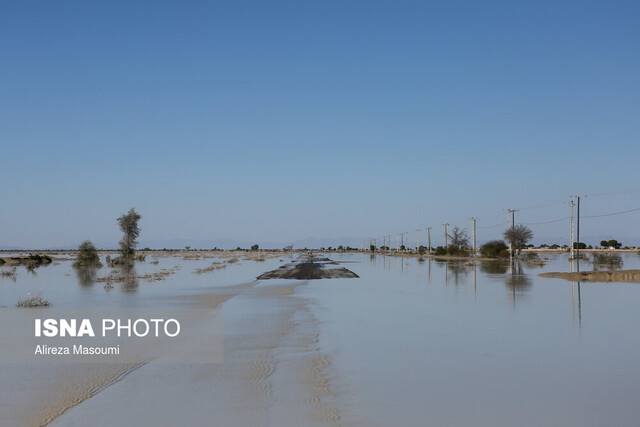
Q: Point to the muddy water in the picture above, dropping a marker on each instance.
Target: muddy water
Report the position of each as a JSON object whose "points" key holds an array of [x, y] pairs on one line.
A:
{"points": [[409, 342]]}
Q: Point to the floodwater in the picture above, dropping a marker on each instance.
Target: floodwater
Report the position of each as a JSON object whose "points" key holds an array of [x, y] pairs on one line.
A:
{"points": [[411, 342]]}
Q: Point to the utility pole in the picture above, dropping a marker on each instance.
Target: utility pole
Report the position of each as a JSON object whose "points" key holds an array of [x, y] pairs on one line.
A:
{"points": [[473, 235], [578, 231], [512, 223], [418, 233], [429, 233], [571, 204], [397, 246], [406, 242], [446, 235]]}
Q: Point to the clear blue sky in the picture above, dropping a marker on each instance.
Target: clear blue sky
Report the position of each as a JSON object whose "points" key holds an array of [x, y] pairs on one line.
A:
{"points": [[271, 121]]}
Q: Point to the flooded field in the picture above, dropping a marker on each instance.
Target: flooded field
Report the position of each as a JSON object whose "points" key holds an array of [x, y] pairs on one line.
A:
{"points": [[410, 342]]}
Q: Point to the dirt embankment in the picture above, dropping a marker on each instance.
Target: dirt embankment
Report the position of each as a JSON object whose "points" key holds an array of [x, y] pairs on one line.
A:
{"points": [[309, 267], [31, 260], [598, 276]]}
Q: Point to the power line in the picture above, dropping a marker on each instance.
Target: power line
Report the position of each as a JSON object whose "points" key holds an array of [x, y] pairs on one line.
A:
{"points": [[615, 193], [611, 214], [493, 226], [554, 203], [546, 222]]}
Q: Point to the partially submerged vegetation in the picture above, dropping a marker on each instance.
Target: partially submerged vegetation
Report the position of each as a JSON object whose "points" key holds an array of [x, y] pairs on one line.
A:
{"points": [[216, 265], [495, 249], [534, 260], [598, 276], [11, 273], [608, 260], [87, 256], [127, 275], [31, 301], [130, 231]]}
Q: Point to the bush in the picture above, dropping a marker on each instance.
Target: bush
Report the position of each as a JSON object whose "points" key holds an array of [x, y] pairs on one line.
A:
{"points": [[457, 250], [609, 260], [87, 256], [36, 300], [8, 273], [494, 249], [440, 250]]}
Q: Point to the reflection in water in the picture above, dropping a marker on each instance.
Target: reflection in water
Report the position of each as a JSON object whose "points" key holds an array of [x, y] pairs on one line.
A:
{"points": [[458, 269], [86, 276], [123, 274], [493, 267], [576, 289], [130, 282], [473, 281], [517, 282]]}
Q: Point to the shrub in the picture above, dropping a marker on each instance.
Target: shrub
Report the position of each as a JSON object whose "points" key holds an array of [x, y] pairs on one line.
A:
{"points": [[494, 249], [87, 256], [36, 300], [610, 260], [8, 273]]}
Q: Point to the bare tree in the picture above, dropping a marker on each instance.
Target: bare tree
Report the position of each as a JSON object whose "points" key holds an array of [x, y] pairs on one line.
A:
{"points": [[129, 226], [518, 236], [458, 238]]}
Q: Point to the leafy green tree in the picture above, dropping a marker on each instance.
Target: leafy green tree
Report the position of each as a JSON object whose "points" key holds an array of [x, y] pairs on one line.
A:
{"points": [[611, 243], [129, 226], [254, 247]]}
